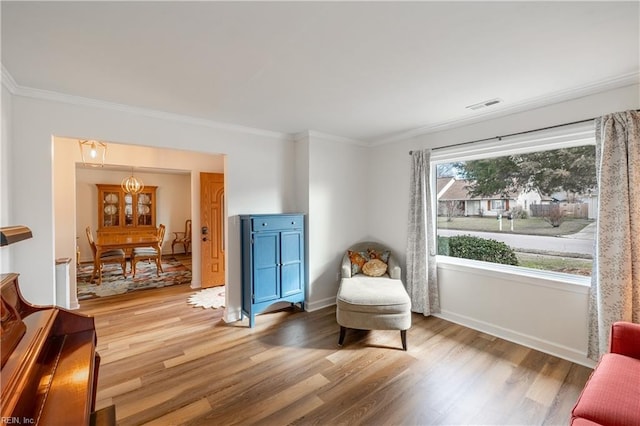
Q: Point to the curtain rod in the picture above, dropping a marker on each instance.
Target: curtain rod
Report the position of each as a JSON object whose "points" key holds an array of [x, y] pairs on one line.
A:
{"points": [[515, 134]]}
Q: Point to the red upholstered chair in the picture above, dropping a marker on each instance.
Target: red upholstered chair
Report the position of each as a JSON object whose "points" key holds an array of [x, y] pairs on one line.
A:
{"points": [[612, 393]]}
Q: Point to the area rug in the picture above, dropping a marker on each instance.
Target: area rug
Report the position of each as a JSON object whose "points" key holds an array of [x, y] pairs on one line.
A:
{"points": [[208, 298], [114, 283]]}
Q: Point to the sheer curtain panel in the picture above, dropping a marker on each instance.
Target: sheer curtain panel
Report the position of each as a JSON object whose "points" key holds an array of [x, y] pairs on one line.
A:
{"points": [[422, 283], [615, 282]]}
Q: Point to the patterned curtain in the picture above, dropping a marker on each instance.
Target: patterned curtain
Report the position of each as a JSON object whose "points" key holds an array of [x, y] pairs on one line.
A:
{"points": [[615, 281], [422, 285]]}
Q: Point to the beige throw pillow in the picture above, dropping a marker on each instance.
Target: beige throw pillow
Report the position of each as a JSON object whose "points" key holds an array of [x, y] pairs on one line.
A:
{"points": [[374, 268]]}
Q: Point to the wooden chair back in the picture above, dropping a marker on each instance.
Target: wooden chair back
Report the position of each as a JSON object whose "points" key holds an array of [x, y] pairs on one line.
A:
{"points": [[92, 243]]}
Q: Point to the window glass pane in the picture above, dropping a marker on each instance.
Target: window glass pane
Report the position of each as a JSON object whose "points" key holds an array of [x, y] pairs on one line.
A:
{"points": [[534, 210]]}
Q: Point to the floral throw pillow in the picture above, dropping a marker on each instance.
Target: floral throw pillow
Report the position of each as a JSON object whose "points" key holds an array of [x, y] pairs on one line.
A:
{"points": [[358, 259], [377, 254]]}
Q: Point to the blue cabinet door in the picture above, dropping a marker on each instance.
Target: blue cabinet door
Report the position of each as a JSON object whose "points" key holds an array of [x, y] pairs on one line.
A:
{"points": [[291, 255], [266, 266]]}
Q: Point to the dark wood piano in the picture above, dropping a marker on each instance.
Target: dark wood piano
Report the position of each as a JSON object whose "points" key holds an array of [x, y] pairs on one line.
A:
{"points": [[49, 363]]}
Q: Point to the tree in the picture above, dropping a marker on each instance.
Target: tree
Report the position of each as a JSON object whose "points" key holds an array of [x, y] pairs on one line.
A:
{"points": [[568, 169]]}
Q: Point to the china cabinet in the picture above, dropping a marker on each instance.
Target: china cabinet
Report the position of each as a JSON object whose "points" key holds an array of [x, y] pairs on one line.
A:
{"points": [[273, 264], [119, 211]]}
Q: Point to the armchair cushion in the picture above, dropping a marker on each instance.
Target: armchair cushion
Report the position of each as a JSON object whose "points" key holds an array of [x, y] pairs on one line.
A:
{"points": [[368, 294], [610, 396]]}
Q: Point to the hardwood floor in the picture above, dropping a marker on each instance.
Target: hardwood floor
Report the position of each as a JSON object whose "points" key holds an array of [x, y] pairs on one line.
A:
{"points": [[165, 362]]}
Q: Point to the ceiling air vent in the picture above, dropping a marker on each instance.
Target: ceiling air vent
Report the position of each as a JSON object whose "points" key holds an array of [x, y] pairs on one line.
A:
{"points": [[484, 104]]}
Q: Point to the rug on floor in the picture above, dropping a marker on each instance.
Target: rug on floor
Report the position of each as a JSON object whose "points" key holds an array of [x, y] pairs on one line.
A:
{"points": [[114, 283], [208, 298]]}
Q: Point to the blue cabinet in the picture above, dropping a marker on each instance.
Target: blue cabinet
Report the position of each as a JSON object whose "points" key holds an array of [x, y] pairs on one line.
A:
{"points": [[273, 268]]}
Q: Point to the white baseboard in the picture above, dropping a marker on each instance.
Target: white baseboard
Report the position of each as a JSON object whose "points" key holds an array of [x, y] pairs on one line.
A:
{"points": [[541, 345], [320, 304]]}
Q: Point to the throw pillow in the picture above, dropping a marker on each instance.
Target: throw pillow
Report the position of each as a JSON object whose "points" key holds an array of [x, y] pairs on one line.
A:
{"points": [[377, 254], [374, 268], [358, 259]]}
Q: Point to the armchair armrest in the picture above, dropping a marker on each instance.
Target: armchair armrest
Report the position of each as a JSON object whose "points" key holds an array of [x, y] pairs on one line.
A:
{"points": [[625, 339], [346, 267], [394, 270]]}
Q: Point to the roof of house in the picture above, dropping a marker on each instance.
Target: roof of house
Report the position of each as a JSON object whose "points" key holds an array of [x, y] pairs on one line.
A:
{"points": [[459, 190]]}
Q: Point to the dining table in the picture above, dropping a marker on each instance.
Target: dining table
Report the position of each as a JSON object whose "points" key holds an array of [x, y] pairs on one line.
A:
{"points": [[106, 241]]}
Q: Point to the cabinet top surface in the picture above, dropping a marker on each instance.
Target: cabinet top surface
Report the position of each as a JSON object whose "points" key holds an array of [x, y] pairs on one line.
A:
{"points": [[249, 216]]}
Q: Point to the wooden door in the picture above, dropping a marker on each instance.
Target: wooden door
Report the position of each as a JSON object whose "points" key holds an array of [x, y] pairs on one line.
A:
{"points": [[211, 233]]}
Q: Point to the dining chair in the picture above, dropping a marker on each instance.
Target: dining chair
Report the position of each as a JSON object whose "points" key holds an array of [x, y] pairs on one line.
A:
{"points": [[149, 253], [110, 256], [183, 238]]}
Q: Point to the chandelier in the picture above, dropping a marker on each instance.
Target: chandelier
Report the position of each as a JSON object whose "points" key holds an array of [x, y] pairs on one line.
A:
{"points": [[132, 185], [93, 153]]}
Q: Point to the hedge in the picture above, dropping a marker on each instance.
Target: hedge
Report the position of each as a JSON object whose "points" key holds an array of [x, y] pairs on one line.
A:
{"points": [[476, 248]]}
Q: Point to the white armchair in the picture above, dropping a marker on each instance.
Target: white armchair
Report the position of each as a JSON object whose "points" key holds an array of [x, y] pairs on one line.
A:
{"points": [[367, 302]]}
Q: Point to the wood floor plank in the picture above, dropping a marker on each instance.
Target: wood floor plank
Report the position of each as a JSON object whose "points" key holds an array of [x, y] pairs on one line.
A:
{"points": [[166, 362]]}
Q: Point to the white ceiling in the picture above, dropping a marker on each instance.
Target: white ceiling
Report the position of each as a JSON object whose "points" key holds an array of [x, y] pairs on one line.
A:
{"points": [[362, 70]]}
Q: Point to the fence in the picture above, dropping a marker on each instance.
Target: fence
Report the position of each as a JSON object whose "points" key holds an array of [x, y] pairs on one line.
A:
{"points": [[577, 210]]}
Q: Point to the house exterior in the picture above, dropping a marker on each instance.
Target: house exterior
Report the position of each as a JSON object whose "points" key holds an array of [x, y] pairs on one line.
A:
{"points": [[454, 199]]}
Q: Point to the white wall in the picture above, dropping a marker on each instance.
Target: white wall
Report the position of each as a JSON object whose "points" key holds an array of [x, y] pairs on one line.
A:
{"points": [[553, 319], [338, 196], [173, 202], [5, 173], [259, 173]]}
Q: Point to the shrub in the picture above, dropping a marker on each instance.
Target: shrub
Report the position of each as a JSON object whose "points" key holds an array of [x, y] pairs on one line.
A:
{"points": [[476, 248], [519, 213], [554, 215]]}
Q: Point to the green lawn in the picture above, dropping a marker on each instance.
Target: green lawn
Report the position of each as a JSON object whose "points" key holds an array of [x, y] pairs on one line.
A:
{"points": [[556, 263], [531, 226]]}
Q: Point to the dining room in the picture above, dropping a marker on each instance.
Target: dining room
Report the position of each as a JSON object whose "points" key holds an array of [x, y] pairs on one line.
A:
{"points": [[119, 246], [126, 236]]}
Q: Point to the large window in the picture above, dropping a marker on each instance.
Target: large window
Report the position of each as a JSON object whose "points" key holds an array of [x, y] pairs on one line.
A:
{"points": [[512, 205]]}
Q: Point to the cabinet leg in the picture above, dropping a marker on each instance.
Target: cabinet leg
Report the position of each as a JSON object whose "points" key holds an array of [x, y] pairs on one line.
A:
{"points": [[252, 320]]}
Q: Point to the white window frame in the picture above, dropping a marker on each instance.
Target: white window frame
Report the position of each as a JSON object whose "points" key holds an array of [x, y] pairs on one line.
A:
{"points": [[568, 136]]}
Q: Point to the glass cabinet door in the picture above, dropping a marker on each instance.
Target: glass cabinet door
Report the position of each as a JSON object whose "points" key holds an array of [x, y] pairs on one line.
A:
{"points": [[119, 211], [128, 210], [145, 209], [110, 208]]}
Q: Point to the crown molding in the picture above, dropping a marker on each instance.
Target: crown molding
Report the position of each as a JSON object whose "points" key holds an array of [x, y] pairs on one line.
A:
{"points": [[49, 95], [530, 104], [541, 101], [8, 81], [336, 138]]}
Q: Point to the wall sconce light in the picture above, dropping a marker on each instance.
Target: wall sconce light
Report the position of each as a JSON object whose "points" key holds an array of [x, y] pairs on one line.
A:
{"points": [[93, 153], [131, 185]]}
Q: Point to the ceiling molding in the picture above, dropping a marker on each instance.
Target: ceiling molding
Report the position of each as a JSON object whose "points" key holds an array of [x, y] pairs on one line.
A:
{"points": [[8, 81], [335, 138], [541, 101], [29, 92]]}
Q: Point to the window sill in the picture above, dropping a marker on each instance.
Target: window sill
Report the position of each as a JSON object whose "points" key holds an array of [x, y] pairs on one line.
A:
{"points": [[557, 280]]}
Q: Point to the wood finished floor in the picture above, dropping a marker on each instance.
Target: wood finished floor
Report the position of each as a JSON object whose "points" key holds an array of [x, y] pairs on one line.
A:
{"points": [[165, 362]]}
